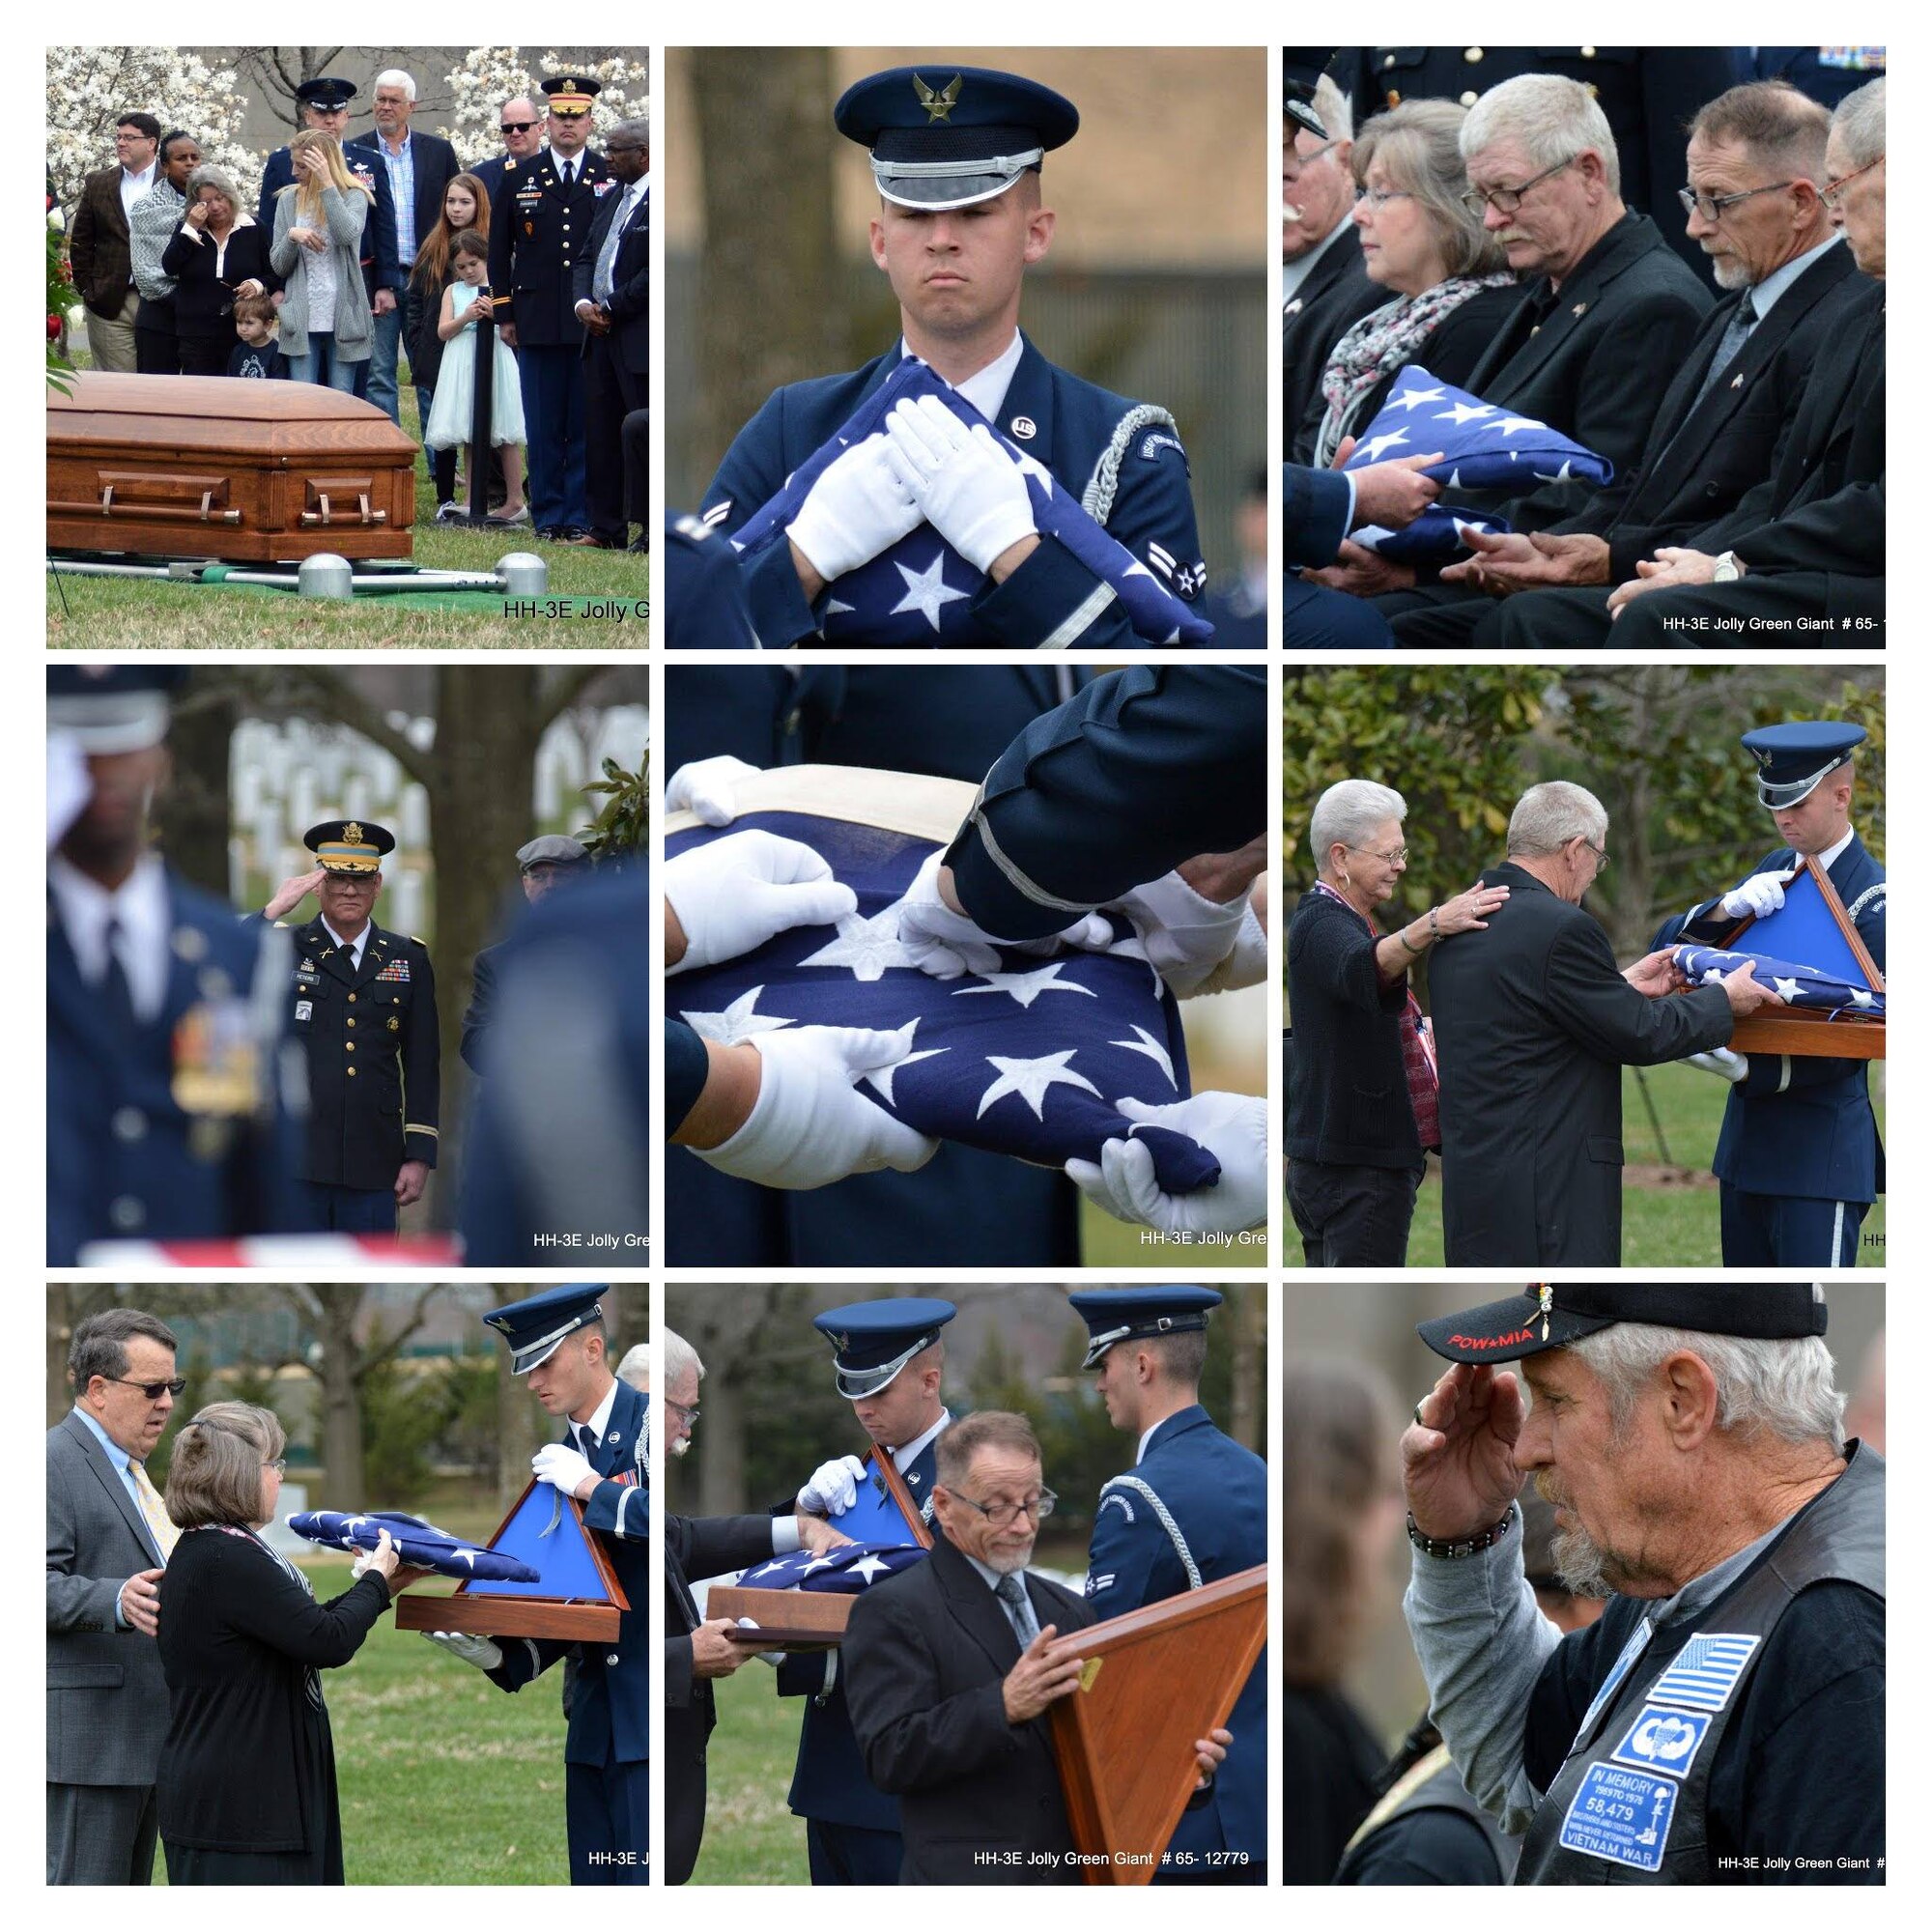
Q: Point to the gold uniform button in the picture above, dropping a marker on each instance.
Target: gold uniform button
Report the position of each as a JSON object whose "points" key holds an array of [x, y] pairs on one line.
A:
{"points": [[349, 1047], [1388, 60], [351, 999], [1472, 55], [1468, 97], [351, 1020], [1589, 53], [352, 1073]]}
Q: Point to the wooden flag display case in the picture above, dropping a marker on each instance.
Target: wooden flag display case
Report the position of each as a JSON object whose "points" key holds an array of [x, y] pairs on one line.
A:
{"points": [[577, 1597]]}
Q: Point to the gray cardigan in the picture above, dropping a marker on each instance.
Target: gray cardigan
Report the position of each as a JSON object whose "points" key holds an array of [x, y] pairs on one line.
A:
{"points": [[344, 215]]}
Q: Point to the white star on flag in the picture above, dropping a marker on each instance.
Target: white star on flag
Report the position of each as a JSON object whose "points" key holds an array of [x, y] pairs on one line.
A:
{"points": [[1415, 398], [1561, 476], [739, 1021], [1859, 997], [869, 1568], [1030, 1079], [867, 946], [1459, 413], [1713, 976], [1785, 990], [1155, 1051], [1027, 987], [1371, 450], [1511, 424], [819, 1563], [927, 590], [881, 1077], [467, 1556]]}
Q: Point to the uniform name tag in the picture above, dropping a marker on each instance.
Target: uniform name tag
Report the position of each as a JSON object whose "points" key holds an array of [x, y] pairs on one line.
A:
{"points": [[1620, 1816], [396, 969], [1665, 1741]]}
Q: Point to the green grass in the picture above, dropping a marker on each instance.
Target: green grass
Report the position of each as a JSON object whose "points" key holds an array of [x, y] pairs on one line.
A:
{"points": [[132, 614], [442, 1778], [1666, 1224], [749, 1836], [1105, 1242]]}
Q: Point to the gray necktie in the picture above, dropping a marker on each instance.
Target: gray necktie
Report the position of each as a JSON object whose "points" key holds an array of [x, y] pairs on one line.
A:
{"points": [[1729, 343], [1011, 1592], [607, 256]]}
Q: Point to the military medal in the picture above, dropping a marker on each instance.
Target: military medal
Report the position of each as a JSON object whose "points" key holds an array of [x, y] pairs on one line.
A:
{"points": [[1545, 1292]]}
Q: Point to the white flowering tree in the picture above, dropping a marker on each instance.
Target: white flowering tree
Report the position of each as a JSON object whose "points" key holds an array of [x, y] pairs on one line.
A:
{"points": [[89, 87], [488, 76]]}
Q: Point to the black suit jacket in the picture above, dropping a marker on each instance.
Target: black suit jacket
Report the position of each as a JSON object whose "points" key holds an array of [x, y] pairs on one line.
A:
{"points": [[1336, 295], [436, 166], [695, 1546], [1534, 1025], [630, 281], [1704, 456], [924, 1656], [1589, 368]]}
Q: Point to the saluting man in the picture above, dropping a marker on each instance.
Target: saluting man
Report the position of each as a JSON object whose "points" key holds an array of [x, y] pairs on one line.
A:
{"points": [[538, 233], [889, 1358], [363, 1004], [1191, 1511], [1799, 1161], [558, 1340], [957, 154]]}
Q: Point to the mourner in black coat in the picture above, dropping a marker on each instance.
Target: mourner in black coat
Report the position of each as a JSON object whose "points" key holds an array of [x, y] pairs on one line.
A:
{"points": [[1336, 295]]}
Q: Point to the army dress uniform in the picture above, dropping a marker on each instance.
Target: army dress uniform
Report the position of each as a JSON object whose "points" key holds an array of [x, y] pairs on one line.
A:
{"points": [[1798, 1160], [1191, 1511], [539, 230], [942, 142]]}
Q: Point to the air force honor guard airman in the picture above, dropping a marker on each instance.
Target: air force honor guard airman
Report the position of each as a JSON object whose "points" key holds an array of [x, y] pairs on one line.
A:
{"points": [[362, 1002], [890, 1358], [1799, 1161], [557, 1339], [957, 154], [1191, 1511]]}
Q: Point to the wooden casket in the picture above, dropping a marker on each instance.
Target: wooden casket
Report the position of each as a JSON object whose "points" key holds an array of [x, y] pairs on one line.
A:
{"points": [[211, 467]]}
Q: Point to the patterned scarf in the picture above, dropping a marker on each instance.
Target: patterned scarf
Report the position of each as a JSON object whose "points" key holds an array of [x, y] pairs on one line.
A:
{"points": [[1386, 339], [1419, 1046]]}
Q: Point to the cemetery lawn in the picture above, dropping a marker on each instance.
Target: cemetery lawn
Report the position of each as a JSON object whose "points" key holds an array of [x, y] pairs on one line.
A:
{"points": [[137, 613]]}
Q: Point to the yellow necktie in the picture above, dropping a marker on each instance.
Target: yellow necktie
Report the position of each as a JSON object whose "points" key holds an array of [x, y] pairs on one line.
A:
{"points": [[160, 1525]]}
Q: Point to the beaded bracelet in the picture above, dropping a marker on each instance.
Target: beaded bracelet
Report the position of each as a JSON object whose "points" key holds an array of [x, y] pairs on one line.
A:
{"points": [[1468, 1546]]}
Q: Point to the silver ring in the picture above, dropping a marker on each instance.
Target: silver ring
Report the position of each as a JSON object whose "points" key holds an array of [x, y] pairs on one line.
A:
{"points": [[1418, 1418]]}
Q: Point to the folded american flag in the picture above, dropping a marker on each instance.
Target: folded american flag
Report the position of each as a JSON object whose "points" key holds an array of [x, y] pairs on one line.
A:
{"points": [[1031, 1061], [1484, 447], [418, 1543], [1434, 538], [919, 592], [845, 1569], [1795, 985]]}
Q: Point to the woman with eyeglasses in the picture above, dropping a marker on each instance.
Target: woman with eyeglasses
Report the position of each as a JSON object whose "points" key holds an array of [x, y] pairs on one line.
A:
{"points": [[1361, 1103], [1451, 285], [246, 1780]]}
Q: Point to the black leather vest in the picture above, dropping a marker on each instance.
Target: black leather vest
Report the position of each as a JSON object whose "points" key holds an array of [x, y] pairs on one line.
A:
{"points": [[1630, 1805], [1432, 1784]]}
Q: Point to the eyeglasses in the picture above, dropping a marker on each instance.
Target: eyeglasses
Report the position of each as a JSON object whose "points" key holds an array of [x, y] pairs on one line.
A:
{"points": [[1712, 206], [154, 1391], [1507, 200], [280, 1465], [1829, 194], [1000, 1513], [687, 1416], [1603, 857], [515, 126], [1380, 198], [1396, 855], [1301, 161]]}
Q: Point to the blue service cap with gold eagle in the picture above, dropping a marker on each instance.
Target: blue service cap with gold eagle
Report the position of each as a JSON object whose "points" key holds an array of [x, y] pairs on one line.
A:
{"points": [[1140, 1314], [110, 708], [534, 1326], [873, 1341], [1553, 1315], [349, 845], [945, 136], [327, 93], [1794, 760]]}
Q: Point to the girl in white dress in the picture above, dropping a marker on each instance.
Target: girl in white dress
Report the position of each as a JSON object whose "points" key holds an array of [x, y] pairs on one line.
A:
{"points": [[463, 306]]}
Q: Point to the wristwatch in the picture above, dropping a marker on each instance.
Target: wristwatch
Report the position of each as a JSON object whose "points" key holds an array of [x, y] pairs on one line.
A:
{"points": [[1728, 569]]}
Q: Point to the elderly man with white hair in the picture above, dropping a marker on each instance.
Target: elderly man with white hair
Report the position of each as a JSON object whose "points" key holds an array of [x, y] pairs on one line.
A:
{"points": [[1724, 1719], [1533, 1029], [1361, 1105]]}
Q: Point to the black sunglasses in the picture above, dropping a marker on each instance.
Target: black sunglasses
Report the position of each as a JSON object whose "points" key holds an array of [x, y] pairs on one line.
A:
{"points": [[515, 126], [152, 1390]]}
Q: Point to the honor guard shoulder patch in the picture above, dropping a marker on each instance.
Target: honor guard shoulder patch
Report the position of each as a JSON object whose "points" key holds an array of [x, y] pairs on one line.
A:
{"points": [[1152, 446]]}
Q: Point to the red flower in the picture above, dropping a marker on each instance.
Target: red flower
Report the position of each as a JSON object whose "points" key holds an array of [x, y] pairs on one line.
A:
{"points": [[53, 327]]}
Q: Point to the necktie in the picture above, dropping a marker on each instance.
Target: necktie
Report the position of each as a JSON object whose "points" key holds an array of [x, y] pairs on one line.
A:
{"points": [[160, 1525], [1735, 330], [607, 256], [569, 174], [117, 996], [1011, 1592], [587, 1440]]}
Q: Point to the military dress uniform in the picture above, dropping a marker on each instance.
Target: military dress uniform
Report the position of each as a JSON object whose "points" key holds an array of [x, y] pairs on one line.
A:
{"points": [[1192, 1511], [1799, 1159], [538, 232]]}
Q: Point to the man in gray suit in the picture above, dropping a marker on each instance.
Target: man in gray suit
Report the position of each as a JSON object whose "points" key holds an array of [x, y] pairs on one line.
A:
{"points": [[108, 1536]]}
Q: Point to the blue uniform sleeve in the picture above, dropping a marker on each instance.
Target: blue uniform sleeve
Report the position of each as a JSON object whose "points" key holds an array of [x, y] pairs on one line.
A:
{"points": [[746, 481], [1143, 768], [525, 1658], [619, 1508], [1053, 602], [1126, 1545], [686, 1065], [1316, 508]]}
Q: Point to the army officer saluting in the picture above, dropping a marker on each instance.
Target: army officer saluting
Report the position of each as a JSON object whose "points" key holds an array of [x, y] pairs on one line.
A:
{"points": [[363, 1004]]}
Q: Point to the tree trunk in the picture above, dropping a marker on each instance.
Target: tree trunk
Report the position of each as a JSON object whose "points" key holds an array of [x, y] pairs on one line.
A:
{"points": [[769, 271], [333, 1311], [191, 810], [517, 1417], [1244, 1402], [62, 1315]]}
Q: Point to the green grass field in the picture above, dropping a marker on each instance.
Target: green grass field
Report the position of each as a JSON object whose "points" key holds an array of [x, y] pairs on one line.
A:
{"points": [[132, 614], [749, 1836], [1666, 1223]]}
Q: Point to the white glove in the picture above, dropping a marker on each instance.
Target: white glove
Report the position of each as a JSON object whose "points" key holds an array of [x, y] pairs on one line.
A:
{"points": [[1186, 936], [945, 944], [1761, 894], [859, 507], [733, 894], [1231, 1126], [561, 1466], [834, 1487], [481, 1651], [809, 1126], [965, 484], [706, 788], [1720, 1061]]}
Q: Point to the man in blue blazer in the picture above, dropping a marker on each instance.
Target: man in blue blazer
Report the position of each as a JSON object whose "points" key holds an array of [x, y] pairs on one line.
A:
{"points": [[1798, 1160], [1191, 1511]]}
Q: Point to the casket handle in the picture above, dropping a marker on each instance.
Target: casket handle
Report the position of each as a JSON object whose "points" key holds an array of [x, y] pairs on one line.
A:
{"points": [[366, 514], [107, 506]]}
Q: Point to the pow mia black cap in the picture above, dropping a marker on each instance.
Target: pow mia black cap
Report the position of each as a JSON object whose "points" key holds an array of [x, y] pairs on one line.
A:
{"points": [[1552, 1314]]}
